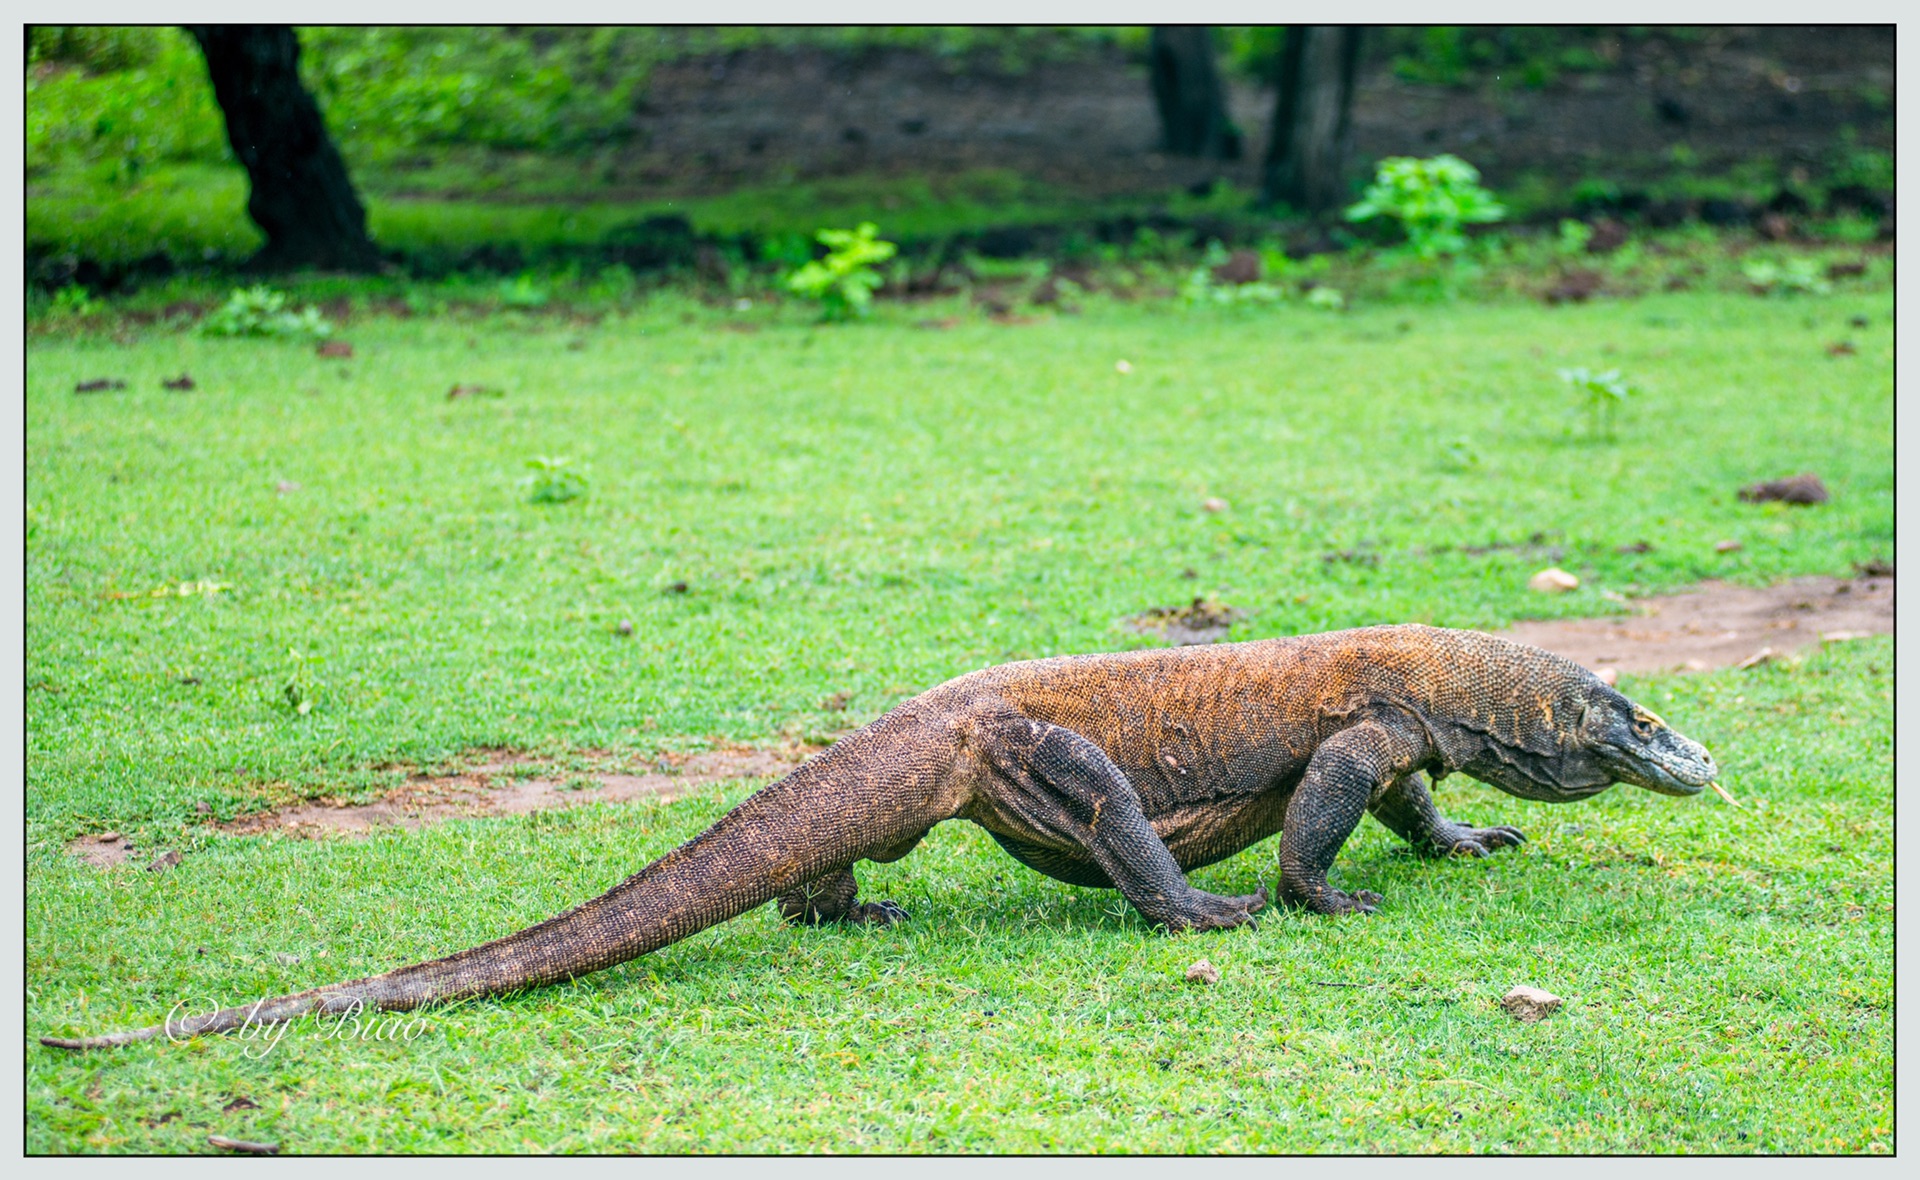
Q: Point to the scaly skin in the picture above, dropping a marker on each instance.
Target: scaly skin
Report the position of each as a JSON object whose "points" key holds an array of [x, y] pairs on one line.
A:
{"points": [[1115, 771]]}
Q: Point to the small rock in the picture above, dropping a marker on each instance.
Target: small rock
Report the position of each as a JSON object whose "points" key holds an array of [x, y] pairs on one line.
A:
{"points": [[286, 487], [1213, 504], [1608, 676], [675, 588], [203, 808], [1758, 658], [109, 837], [164, 861], [1553, 580], [1804, 488], [623, 628], [1528, 1004], [1727, 546], [286, 959], [338, 349], [1203, 972], [1122, 367]]}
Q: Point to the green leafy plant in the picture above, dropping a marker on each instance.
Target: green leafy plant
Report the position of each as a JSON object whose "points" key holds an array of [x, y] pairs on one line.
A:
{"points": [[74, 302], [1574, 236], [1326, 298], [554, 480], [1202, 289], [1600, 395], [523, 291], [1794, 276], [262, 311], [1431, 199], [844, 281], [300, 689]]}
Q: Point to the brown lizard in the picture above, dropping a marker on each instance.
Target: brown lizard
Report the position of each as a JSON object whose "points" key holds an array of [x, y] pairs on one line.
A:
{"points": [[1114, 771]]}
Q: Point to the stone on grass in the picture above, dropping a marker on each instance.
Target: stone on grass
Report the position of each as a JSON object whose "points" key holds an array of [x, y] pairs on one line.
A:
{"points": [[1203, 972], [1553, 580]]}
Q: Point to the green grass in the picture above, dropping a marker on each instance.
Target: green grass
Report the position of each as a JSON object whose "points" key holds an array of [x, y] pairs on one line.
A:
{"points": [[872, 509], [194, 212]]}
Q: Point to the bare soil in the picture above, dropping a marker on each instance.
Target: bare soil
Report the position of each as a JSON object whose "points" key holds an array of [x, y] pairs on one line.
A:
{"points": [[1721, 626], [771, 116], [1715, 626]]}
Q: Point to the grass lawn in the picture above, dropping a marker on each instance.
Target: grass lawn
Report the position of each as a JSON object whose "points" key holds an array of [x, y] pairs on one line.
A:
{"points": [[868, 510]]}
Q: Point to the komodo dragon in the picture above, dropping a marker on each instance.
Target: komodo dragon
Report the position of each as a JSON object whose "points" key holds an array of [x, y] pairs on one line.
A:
{"points": [[1115, 771]]}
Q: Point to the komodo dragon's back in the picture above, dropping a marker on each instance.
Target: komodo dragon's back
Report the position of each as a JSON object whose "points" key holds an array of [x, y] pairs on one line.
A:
{"points": [[1120, 770]]}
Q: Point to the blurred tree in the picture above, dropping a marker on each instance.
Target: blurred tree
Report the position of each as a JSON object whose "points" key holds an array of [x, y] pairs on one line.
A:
{"points": [[1186, 87], [301, 195], [1308, 146]]}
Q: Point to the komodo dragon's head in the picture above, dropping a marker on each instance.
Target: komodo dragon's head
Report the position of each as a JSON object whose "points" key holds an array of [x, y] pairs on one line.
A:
{"points": [[1584, 738], [1633, 745]]}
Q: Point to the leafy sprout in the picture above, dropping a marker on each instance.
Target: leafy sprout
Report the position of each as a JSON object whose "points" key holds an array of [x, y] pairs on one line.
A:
{"points": [[1431, 199], [262, 311], [1601, 395], [843, 282], [554, 481]]}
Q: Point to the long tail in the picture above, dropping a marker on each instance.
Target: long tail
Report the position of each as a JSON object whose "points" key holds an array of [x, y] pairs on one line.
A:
{"points": [[825, 815]]}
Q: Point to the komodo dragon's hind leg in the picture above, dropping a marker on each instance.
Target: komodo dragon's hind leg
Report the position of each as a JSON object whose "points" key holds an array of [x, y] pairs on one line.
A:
{"points": [[836, 896], [1062, 788], [1407, 808]]}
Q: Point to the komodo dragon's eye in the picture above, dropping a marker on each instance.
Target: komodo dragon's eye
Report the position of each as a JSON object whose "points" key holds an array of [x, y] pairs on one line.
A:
{"points": [[1643, 729]]}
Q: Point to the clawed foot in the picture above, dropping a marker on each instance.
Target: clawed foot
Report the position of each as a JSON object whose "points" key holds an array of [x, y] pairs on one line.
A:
{"points": [[1461, 840], [876, 913], [1325, 899], [1211, 911]]}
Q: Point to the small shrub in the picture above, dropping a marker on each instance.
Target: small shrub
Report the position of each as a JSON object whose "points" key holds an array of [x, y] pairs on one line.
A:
{"points": [[1794, 276], [844, 281], [74, 302], [1202, 289], [1600, 395], [1326, 298], [1574, 236], [262, 311], [554, 481], [1431, 199], [521, 291]]}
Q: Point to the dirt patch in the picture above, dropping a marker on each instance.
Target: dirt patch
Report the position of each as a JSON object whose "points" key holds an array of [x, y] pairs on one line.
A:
{"points": [[1721, 626], [1201, 621], [500, 786], [102, 851]]}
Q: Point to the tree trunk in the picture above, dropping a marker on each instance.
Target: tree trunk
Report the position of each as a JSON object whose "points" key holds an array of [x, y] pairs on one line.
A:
{"points": [[1186, 87], [1308, 148], [302, 198]]}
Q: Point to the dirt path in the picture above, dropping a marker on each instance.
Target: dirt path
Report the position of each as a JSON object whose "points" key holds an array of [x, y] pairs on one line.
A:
{"points": [[1715, 626], [1721, 626]]}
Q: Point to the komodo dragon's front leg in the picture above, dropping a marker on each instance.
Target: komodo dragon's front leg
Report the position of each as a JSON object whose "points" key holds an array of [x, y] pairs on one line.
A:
{"points": [[1341, 779], [1059, 790], [1409, 811]]}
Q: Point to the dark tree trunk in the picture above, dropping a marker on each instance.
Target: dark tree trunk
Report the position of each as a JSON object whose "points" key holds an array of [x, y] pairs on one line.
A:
{"points": [[1186, 87], [301, 198], [1307, 152]]}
